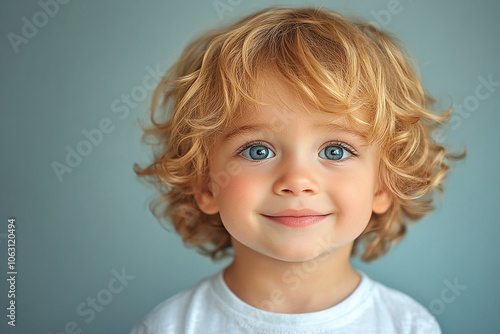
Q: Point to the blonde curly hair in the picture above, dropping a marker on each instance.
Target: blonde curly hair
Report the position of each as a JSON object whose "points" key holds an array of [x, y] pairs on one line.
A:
{"points": [[339, 66]]}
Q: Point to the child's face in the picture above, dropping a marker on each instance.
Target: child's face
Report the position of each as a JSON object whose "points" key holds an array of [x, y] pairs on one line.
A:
{"points": [[281, 160]]}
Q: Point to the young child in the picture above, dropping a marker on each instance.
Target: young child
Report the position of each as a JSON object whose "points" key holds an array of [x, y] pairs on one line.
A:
{"points": [[290, 140]]}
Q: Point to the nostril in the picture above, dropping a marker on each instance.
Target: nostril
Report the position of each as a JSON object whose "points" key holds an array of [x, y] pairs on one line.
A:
{"points": [[295, 186], [290, 191]]}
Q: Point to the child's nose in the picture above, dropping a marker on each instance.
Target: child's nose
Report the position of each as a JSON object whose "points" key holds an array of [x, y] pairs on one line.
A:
{"points": [[296, 180]]}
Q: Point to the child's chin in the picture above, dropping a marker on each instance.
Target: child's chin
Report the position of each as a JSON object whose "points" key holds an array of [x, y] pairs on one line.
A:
{"points": [[296, 254], [308, 251]]}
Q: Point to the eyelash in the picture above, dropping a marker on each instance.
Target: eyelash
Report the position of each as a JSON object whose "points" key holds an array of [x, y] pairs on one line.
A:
{"points": [[345, 146]]}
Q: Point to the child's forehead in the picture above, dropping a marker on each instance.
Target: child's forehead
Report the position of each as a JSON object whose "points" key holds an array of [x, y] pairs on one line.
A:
{"points": [[279, 103]]}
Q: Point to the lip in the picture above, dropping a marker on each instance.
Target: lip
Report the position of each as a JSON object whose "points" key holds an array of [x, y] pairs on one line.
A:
{"points": [[297, 218]]}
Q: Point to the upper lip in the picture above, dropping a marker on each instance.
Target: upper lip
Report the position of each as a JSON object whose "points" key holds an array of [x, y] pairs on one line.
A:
{"points": [[297, 213]]}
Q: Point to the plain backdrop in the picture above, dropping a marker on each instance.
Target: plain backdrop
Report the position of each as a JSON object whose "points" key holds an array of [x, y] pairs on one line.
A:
{"points": [[84, 65]]}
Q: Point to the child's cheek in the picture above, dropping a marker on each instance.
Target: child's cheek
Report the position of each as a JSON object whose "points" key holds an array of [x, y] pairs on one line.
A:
{"points": [[240, 191], [357, 200]]}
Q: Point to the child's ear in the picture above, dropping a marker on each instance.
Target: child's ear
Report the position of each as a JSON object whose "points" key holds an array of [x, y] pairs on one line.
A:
{"points": [[206, 200], [382, 200]]}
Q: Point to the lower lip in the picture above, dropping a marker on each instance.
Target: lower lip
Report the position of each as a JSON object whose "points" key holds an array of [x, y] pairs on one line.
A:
{"points": [[297, 221]]}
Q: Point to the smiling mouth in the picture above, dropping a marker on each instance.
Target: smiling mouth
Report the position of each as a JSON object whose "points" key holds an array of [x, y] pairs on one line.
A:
{"points": [[297, 221]]}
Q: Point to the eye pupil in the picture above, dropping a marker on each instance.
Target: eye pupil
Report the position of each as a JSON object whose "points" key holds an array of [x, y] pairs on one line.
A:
{"points": [[259, 152], [334, 152]]}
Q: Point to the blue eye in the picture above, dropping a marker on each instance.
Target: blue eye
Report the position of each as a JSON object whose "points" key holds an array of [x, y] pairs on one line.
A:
{"points": [[333, 152], [257, 152]]}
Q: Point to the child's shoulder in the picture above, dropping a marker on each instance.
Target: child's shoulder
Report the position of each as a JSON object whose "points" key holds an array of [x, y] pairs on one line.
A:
{"points": [[172, 315], [400, 308]]}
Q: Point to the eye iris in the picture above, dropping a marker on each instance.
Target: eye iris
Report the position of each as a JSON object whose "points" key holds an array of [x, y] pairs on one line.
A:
{"points": [[334, 152], [259, 152]]}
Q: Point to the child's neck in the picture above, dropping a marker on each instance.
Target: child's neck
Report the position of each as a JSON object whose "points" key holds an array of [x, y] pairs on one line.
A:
{"points": [[291, 287]]}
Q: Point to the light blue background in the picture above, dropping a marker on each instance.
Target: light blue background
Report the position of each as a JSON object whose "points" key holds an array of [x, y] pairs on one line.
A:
{"points": [[72, 234]]}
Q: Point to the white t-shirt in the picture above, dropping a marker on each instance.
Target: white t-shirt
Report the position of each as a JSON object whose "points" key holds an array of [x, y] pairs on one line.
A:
{"points": [[212, 308]]}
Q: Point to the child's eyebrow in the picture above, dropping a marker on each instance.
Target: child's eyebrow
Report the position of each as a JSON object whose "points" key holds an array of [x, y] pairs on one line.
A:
{"points": [[246, 129], [332, 127]]}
